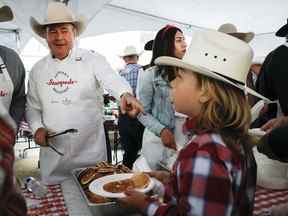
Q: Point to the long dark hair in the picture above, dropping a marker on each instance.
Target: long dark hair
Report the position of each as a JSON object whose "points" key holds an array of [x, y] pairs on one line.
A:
{"points": [[164, 42]]}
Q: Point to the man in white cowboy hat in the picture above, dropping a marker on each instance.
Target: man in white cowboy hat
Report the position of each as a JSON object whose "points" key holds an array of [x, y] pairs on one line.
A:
{"points": [[130, 129], [273, 79], [65, 91], [12, 106], [130, 56]]}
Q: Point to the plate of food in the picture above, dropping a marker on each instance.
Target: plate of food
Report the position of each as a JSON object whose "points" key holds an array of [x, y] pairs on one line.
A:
{"points": [[114, 186]]}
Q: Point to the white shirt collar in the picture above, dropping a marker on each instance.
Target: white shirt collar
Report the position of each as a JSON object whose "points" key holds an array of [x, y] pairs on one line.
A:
{"points": [[72, 54]]}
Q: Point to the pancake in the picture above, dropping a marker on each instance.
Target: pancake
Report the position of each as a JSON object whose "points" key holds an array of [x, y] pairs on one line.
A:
{"points": [[94, 198], [87, 175], [137, 181], [140, 180]]}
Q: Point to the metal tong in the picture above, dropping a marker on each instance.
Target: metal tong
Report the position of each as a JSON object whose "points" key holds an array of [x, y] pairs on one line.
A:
{"points": [[71, 130]]}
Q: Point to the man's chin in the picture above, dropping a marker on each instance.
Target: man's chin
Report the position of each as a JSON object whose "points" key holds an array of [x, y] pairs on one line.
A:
{"points": [[60, 54]]}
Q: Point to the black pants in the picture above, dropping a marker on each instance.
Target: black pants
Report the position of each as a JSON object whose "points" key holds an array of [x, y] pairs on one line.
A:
{"points": [[131, 133]]}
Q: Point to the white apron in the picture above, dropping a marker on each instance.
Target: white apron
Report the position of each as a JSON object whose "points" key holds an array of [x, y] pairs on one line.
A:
{"points": [[6, 93], [169, 155], [72, 98], [153, 149]]}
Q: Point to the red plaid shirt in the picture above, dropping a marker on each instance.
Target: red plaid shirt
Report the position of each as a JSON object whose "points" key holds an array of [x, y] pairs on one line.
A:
{"points": [[206, 180], [12, 202]]}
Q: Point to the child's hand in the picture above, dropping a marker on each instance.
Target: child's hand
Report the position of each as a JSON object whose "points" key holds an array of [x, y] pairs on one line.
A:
{"points": [[136, 200], [162, 176], [168, 139]]}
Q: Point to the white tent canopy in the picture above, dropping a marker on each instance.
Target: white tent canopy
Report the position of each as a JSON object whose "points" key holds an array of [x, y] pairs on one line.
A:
{"points": [[106, 16]]}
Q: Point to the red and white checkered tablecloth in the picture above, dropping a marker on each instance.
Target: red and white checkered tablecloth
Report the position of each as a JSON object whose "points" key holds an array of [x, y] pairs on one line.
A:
{"points": [[266, 198], [52, 204]]}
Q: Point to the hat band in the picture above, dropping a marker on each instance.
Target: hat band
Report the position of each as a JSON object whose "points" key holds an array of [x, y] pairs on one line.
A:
{"points": [[229, 78]]}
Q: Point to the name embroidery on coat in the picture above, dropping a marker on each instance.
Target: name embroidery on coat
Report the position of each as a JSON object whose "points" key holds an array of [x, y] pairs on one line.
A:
{"points": [[61, 82]]}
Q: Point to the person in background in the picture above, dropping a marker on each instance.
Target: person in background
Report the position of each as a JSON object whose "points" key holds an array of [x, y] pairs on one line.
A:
{"points": [[215, 174], [231, 29], [130, 129], [272, 82], [65, 90], [12, 106], [153, 92], [254, 71], [273, 78], [252, 78], [12, 77]]}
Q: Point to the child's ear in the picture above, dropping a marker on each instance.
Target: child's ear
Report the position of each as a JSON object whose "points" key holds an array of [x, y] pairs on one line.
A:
{"points": [[204, 98]]}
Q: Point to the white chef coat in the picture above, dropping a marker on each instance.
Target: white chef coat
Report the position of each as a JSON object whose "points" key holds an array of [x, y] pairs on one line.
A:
{"points": [[6, 93], [69, 94]]}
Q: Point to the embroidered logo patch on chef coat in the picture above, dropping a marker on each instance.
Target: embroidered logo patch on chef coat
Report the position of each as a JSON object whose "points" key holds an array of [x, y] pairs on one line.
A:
{"points": [[61, 82]]}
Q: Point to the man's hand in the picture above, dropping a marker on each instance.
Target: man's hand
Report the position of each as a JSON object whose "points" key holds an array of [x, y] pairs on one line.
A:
{"points": [[40, 136], [130, 105], [275, 123], [168, 139]]}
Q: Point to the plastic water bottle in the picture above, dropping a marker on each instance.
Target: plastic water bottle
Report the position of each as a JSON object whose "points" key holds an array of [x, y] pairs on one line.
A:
{"points": [[34, 186]]}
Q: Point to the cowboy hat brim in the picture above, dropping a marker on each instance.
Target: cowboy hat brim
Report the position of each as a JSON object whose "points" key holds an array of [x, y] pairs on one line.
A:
{"points": [[171, 61], [40, 28], [244, 36], [5, 14], [283, 31]]}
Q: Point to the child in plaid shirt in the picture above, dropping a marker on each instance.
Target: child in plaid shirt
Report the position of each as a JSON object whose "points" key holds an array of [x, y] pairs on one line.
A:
{"points": [[215, 174]]}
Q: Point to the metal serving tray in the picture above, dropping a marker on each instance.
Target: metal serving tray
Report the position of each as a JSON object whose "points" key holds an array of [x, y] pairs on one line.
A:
{"points": [[99, 209]]}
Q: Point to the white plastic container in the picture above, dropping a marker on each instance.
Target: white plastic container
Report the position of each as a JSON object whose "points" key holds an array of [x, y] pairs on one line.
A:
{"points": [[271, 173]]}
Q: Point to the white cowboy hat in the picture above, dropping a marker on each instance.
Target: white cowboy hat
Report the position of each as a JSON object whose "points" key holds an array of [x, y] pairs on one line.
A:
{"points": [[5, 14], [129, 51], [57, 12], [216, 55], [231, 29]]}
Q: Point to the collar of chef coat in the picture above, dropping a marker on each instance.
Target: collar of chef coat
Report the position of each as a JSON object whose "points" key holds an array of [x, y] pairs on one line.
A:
{"points": [[72, 54]]}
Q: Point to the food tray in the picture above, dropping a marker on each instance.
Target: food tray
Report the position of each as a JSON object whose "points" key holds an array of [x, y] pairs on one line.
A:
{"points": [[108, 208]]}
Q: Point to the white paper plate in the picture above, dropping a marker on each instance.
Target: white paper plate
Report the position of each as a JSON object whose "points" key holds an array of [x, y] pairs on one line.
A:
{"points": [[96, 186]]}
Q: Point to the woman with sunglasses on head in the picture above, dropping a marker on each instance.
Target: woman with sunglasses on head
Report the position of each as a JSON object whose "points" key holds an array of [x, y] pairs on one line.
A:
{"points": [[153, 92]]}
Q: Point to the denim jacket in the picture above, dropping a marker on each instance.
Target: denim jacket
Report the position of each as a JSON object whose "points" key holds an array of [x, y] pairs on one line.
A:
{"points": [[154, 94]]}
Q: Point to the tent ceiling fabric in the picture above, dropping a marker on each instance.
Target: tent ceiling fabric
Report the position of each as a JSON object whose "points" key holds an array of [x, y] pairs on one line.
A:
{"points": [[257, 15], [106, 16]]}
